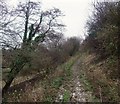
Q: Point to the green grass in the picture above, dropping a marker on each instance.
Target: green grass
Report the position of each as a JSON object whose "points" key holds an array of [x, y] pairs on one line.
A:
{"points": [[57, 82], [66, 96], [49, 99], [67, 66], [88, 86], [86, 83]]}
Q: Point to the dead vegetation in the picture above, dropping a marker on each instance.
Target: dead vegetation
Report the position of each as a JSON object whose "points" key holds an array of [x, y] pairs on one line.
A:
{"points": [[104, 88]]}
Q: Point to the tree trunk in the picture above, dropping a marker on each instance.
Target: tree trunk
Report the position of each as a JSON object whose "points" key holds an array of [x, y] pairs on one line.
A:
{"points": [[6, 87], [14, 71]]}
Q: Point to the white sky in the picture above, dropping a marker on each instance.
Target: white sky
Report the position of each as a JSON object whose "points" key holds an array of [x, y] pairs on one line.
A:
{"points": [[76, 13]]}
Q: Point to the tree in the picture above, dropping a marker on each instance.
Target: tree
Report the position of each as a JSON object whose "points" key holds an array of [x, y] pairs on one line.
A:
{"points": [[103, 28], [71, 46], [23, 29]]}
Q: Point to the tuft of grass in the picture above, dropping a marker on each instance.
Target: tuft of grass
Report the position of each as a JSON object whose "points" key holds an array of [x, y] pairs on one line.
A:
{"points": [[66, 96], [86, 83], [49, 99], [57, 82]]}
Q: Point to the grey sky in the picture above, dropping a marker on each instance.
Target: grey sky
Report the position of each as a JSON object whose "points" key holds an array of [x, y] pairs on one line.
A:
{"points": [[76, 13]]}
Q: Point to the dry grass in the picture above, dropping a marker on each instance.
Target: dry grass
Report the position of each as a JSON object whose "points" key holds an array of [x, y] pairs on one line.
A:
{"points": [[105, 88], [31, 94], [20, 79]]}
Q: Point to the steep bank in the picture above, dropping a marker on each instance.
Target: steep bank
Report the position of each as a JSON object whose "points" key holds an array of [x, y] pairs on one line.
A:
{"points": [[97, 80]]}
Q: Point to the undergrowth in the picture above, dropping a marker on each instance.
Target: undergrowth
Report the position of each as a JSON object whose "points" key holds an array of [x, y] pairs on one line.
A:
{"points": [[95, 78]]}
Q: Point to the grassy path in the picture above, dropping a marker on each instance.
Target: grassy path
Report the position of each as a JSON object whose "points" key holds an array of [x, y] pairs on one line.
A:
{"points": [[73, 90]]}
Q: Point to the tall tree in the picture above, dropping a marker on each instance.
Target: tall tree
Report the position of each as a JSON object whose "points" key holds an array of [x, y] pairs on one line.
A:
{"points": [[23, 29]]}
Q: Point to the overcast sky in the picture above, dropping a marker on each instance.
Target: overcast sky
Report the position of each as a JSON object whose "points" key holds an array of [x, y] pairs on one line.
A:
{"points": [[76, 13]]}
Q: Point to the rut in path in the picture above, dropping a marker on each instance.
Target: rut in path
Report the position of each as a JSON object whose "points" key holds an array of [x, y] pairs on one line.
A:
{"points": [[77, 92]]}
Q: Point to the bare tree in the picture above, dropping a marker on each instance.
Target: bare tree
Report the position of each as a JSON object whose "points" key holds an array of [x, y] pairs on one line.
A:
{"points": [[23, 29]]}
